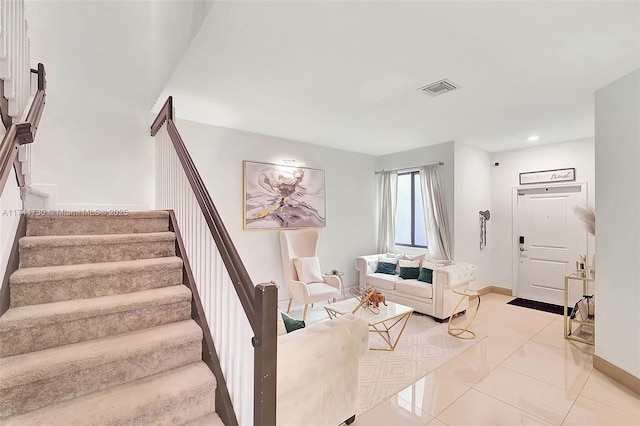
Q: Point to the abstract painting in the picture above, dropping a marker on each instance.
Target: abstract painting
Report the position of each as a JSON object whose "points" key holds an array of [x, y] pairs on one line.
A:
{"points": [[278, 196]]}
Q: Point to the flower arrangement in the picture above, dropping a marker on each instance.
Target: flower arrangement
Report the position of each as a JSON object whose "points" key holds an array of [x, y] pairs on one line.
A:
{"points": [[588, 216]]}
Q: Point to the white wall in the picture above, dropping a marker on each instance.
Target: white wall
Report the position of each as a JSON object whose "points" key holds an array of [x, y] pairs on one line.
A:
{"points": [[106, 64], [578, 154], [472, 195], [618, 223], [419, 157], [350, 190]]}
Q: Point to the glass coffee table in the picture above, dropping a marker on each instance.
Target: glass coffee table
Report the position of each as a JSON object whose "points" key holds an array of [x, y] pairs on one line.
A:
{"points": [[391, 316]]}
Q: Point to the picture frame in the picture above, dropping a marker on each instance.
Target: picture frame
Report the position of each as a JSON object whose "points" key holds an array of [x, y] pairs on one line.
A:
{"points": [[282, 196], [548, 176]]}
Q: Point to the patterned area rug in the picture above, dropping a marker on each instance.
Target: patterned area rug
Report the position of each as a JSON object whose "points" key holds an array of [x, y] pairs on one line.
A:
{"points": [[424, 346]]}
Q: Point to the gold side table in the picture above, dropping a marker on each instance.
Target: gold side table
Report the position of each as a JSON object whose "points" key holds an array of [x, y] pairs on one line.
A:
{"points": [[585, 277], [464, 332]]}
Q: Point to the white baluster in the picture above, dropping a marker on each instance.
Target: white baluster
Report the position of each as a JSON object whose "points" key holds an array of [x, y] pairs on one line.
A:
{"points": [[229, 326]]}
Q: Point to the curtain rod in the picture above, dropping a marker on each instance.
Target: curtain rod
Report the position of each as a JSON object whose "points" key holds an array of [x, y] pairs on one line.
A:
{"points": [[439, 163]]}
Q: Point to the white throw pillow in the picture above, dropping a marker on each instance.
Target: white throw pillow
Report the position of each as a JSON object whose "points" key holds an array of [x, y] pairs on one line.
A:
{"points": [[308, 269], [393, 255], [430, 265], [439, 262], [409, 263], [414, 257]]}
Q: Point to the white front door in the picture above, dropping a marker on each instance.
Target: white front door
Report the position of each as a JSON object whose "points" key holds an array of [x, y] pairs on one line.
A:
{"points": [[550, 239]]}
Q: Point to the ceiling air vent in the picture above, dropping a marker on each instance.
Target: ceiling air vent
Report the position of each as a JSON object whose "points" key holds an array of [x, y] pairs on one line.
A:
{"points": [[439, 87]]}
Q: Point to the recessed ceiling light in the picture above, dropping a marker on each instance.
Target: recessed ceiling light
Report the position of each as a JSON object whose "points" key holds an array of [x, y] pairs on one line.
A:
{"points": [[533, 138]]}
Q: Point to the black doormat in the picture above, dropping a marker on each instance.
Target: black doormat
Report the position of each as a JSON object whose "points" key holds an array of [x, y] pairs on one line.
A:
{"points": [[540, 306]]}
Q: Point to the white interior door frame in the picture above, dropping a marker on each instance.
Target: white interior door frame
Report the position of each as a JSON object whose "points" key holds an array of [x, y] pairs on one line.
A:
{"points": [[515, 258]]}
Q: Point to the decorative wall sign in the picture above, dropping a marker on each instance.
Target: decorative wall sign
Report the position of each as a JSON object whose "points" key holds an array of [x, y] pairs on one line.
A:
{"points": [[278, 196], [546, 176]]}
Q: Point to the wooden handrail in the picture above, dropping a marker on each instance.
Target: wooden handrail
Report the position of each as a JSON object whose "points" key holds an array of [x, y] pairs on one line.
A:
{"points": [[166, 113], [22, 133], [259, 302]]}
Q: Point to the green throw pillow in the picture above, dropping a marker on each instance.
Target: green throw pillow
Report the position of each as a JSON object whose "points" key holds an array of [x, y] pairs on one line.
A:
{"points": [[386, 268], [409, 273], [291, 324], [426, 275]]}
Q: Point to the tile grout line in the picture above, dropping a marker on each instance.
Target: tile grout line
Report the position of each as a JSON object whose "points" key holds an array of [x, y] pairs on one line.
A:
{"points": [[526, 375], [518, 347], [497, 365], [574, 401]]}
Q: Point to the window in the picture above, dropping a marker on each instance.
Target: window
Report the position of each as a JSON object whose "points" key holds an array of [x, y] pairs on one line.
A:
{"points": [[410, 227]]}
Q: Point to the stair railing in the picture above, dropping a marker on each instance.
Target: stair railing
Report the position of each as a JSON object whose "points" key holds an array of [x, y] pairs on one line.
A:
{"points": [[14, 57], [242, 322], [20, 114], [16, 89], [22, 133]]}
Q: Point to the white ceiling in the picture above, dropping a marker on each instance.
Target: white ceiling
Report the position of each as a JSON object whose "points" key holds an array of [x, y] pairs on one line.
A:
{"points": [[345, 74]]}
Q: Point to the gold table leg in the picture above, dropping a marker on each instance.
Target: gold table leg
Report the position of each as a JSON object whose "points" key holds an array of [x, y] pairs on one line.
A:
{"points": [[464, 332], [384, 333]]}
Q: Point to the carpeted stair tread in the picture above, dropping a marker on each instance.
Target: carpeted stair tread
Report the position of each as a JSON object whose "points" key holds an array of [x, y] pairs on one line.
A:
{"points": [[211, 419], [171, 398], [34, 380], [26, 368], [78, 223], [79, 240], [99, 329], [77, 249], [37, 327], [47, 284], [28, 316]]}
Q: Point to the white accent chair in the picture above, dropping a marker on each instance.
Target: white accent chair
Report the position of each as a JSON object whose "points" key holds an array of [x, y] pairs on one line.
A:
{"points": [[302, 243]]}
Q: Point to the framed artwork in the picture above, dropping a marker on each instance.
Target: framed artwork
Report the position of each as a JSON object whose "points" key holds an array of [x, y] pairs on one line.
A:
{"points": [[278, 196]]}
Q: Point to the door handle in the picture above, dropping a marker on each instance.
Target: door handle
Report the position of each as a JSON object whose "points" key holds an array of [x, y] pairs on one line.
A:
{"points": [[523, 249]]}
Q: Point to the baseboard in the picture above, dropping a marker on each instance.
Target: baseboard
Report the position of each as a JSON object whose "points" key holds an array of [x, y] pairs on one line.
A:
{"points": [[484, 290], [49, 193], [501, 290], [46, 193], [495, 289], [617, 374]]}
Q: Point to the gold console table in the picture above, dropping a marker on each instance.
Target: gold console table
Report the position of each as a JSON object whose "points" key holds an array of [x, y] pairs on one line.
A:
{"points": [[585, 277]]}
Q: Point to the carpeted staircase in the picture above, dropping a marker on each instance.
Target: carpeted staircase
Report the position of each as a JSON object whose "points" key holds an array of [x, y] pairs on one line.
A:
{"points": [[99, 329]]}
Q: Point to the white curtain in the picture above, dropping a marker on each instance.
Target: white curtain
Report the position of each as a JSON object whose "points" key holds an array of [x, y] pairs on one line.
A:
{"points": [[435, 212], [388, 186]]}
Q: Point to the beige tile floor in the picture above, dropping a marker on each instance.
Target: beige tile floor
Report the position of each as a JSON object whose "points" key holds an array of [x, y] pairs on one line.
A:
{"points": [[523, 373]]}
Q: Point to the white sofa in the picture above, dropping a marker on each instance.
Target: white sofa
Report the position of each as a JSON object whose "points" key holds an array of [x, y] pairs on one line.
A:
{"points": [[317, 381], [436, 299]]}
